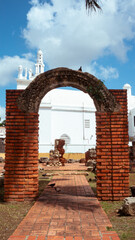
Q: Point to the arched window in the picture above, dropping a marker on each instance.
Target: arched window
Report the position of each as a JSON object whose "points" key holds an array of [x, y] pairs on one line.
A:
{"points": [[66, 138]]}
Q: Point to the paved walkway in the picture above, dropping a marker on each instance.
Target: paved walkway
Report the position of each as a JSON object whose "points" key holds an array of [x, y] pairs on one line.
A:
{"points": [[68, 211]]}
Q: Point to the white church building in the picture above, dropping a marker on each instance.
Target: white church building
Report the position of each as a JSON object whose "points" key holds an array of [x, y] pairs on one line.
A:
{"points": [[68, 114], [131, 113]]}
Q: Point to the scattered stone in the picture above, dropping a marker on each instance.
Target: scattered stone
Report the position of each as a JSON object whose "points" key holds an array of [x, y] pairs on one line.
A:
{"points": [[51, 185], [56, 155], [92, 180], [44, 174], [40, 168], [57, 189], [89, 180], [90, 159], [43, 160], [3, 172], [54, 163], [90, 169], [128, 208], [90, 154], [1, 159], [71, 161], [91, 165], [82, 160], [1, 175], [49, 174]]}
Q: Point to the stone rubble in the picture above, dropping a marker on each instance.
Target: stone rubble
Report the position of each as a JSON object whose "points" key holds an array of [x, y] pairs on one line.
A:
{"points": [[2, 159], [90, 158], [128, 207]]}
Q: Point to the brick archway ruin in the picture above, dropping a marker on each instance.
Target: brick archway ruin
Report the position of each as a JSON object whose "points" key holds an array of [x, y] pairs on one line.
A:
{"points": [[21, 165], [30, 99]]}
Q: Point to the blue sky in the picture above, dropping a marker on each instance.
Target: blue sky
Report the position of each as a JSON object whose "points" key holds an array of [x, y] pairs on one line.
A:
{"points": [[103, 43]]}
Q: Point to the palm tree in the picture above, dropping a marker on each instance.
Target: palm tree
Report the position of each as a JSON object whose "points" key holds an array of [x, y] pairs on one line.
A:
{"points": [[92, 5]]}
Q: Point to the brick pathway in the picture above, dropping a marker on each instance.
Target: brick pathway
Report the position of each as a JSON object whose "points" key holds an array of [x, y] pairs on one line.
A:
{"points": [[69, 212]]}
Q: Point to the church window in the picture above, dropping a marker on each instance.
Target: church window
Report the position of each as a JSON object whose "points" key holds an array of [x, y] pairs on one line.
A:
{"points": [[87, 123], [40, 68], [66, 138]]}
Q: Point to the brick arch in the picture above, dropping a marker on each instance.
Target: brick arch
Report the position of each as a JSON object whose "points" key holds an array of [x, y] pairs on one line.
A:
{"points": [[21, 163], [30, 99]]}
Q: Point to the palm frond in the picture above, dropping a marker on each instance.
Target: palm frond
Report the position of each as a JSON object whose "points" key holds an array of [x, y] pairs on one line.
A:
{"points": [[92, 5]]}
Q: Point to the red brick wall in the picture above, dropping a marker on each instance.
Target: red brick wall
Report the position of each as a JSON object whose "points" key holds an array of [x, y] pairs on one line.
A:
{"points": [[21, 160], [112, 152], [21, 176]]}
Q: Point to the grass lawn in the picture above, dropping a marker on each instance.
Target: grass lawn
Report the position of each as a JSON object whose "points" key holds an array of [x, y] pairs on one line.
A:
{"points": [[123, 225], [11, 214]]}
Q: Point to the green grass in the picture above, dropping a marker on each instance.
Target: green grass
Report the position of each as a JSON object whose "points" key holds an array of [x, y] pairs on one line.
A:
{"points": [[92, 183], [123, 225], [11, 214]]}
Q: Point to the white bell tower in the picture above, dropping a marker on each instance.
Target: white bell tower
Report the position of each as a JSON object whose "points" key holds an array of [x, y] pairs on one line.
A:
{"points": [[24, 75], [39, 65]]}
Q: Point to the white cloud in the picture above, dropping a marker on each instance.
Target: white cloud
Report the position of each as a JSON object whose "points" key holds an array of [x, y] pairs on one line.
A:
{"points": [[108, 73], [9, 66], [103, 73], [70, 37], [34, 2], [2, 113]]}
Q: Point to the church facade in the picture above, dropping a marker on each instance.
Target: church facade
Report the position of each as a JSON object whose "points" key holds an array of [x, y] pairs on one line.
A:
{"points": [[131, 113], [68, 114]]}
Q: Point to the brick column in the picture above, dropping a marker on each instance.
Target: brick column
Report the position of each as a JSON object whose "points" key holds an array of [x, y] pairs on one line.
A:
{"points": [[112, 152], [21, 159]]}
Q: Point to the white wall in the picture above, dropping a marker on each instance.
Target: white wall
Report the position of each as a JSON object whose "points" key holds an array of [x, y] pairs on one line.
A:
{"points": [[63, 112], [2, 132], [131, 113], [131, 124], [72, 123], [44, 129]]}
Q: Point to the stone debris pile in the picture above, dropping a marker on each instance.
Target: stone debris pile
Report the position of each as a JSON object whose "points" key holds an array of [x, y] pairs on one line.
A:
{"points": [[128, 207], [56, 155], [90, 159], [43, 160], [54, 158], [2, 159]]}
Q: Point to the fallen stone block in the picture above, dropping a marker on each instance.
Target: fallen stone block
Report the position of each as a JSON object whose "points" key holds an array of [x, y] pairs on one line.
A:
{"points": [[43, 160], [1, 159], [128, 208]]}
